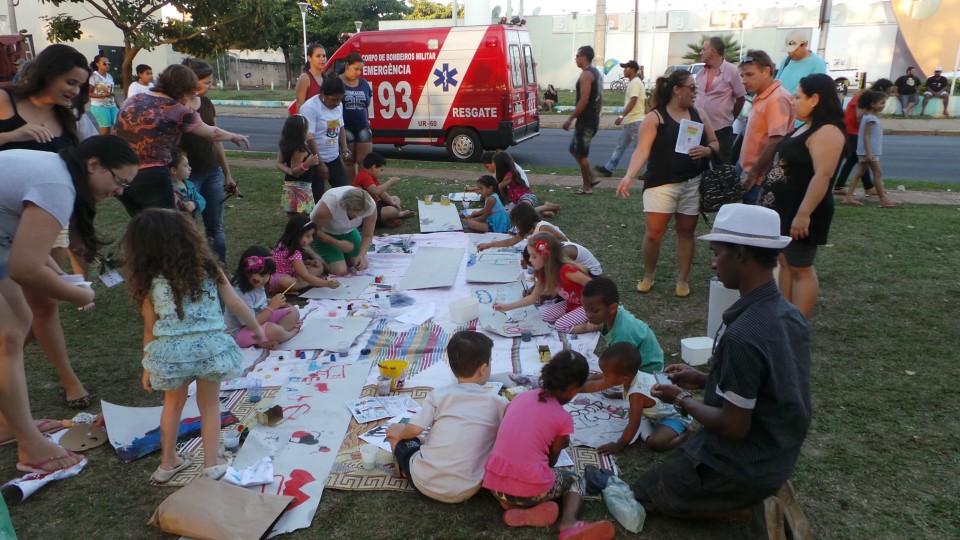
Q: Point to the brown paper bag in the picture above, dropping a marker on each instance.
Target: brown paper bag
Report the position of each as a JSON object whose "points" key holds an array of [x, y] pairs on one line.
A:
{"points": [[209, 510]]}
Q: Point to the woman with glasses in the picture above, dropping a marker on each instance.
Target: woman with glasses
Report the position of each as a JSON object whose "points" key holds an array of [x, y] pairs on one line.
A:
{"points": [[41, 113], [152, 123], [671, 185], [797, 186], [42, 193], [103, 102]]}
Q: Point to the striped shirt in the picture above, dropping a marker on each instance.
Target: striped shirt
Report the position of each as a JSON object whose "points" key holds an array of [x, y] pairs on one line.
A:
{"points": [[761, 363]]}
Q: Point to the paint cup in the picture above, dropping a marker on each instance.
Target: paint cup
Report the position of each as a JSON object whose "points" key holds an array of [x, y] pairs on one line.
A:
{"points": [[255, 391], [231, 441], [406, 240], [343, 348], [332, 313], [526, 332], [383, 385], [428, 199], [396, 370], [466, 205], [444, 200], [368, 455]]}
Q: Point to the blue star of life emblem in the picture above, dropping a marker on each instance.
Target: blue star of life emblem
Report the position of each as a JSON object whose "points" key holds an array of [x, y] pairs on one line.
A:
{"points": [[445, 77]]}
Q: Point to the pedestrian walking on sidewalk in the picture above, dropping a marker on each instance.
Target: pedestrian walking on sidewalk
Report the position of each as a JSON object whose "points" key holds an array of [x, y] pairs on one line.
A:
{"points": [[630, 118], [587, 115]]}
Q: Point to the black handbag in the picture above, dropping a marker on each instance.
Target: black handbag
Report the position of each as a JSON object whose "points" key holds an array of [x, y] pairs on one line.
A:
{"points": [[719, 185]]}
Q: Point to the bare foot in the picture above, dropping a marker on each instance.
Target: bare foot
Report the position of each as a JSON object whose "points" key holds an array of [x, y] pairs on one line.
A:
{"points": [[406, 214], [270, 345]]}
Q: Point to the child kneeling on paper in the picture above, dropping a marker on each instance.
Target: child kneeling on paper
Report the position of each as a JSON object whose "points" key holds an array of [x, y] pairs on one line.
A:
{"points": [[601, 304], [520, 469], [657, 424], [463, 419]]}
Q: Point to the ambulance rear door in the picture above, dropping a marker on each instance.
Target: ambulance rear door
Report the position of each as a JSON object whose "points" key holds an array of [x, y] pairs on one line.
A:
{"points": [[522, 85]]}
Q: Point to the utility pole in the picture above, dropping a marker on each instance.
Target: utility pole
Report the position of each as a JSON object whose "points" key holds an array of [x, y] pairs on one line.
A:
{"points": [[600, 33], [826, 7], [636, 29], [11, 10]]}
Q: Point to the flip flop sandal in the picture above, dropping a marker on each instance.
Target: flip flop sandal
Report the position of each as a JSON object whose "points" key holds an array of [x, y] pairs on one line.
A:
{"points": [[45, 425], [585, 530], [582, 192], [595, 183], [851, 203], [542, 515], [38, 466]]}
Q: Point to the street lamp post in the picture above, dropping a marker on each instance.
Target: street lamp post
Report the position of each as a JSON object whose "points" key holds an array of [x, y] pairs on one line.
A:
{"points": [[303, 18]]}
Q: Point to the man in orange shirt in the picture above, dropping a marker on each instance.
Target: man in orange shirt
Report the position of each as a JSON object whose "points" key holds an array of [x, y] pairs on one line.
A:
{"points": [[771, 118]]}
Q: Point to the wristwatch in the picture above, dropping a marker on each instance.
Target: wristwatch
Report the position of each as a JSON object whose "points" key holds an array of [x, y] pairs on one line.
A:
{"points": [[676, 402], [620, 117]]}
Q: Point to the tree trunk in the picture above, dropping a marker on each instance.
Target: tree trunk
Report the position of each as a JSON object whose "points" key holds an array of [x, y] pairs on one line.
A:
{"points": [[288, 68], [129, 53]]}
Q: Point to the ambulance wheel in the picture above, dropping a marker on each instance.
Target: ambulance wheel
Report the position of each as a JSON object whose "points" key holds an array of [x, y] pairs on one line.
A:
{"points": [[464, 145]]}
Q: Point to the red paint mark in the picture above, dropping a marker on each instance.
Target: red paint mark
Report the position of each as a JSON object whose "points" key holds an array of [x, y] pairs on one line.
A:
{"points": [[322, 387], [298, 479], [323, 449], [297, 410]]}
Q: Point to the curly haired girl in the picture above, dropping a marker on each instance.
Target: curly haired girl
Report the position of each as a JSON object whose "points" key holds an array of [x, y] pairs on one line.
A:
{"points": [[176, 281]]}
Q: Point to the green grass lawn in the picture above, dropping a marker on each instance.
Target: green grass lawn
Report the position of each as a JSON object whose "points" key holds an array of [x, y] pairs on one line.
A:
{"points": [[881, 459]]}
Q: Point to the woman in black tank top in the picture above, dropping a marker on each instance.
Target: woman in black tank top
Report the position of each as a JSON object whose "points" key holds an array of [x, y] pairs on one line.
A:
{"points": [[672, 181], [798, 186]]}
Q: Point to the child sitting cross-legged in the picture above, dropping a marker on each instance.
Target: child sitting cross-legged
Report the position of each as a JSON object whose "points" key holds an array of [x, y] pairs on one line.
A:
{"points": [[535, 429], [462, 418], [657, 424]]}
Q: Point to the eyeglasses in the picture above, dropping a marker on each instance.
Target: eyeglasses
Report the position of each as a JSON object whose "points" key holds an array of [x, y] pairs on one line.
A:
{"points": [[122, 182], [690, 86]]}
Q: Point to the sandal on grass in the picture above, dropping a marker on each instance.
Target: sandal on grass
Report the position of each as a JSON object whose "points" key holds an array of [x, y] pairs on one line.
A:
{"points": [[44, 425], [38, 466], [162, 476], [80, 403], [542, 515], [852, 202], [582, 192], [586, 530]]}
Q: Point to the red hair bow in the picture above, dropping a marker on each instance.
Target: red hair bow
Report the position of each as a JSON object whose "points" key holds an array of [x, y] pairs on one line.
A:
{"points": [[542, 248]]}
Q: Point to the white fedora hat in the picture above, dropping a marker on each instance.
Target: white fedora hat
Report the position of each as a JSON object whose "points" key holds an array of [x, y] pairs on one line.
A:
{"points": [[748, 225]]}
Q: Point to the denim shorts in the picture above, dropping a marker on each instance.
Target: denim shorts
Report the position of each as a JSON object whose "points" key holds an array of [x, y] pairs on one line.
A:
{"points": [[355, 134]]}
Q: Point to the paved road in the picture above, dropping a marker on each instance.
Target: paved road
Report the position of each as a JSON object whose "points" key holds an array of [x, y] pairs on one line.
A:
{"points": [[928, 158]]}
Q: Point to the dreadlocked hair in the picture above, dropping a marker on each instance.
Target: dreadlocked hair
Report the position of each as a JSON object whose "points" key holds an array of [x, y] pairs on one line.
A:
{"points": [[167, 243], [565, 369]]}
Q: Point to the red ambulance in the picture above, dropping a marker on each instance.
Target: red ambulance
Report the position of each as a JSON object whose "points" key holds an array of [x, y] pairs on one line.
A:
{"points": [[469, 88]]}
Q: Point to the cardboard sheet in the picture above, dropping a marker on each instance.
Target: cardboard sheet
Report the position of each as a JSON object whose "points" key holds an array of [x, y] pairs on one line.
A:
{"points": [[351, 287], [493, 267], [326, 334], [432, 267], [436, 217]]}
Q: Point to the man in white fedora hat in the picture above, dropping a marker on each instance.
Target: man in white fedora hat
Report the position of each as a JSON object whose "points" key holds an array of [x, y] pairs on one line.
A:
{"points": [[756, 403]]}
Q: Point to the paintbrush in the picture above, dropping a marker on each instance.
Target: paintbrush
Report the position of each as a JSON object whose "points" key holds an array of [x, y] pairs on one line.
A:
{"points": [[288, 288]]}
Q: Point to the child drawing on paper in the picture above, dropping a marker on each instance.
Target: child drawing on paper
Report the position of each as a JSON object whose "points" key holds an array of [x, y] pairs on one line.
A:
{"points": [[601, 302], [493, 216], [298, 266], [534, 430], [390, 212], [553, 271], [177, 282], [462, 419], [527, 222], [658, 424], [185, 193], [302, 183], [279, 320]]}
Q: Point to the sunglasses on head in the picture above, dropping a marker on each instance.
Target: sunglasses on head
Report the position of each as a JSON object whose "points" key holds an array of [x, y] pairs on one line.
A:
{"points": [[747, 60]]}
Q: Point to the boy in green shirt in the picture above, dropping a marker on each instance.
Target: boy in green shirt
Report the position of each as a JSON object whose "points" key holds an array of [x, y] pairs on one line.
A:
{"points": [[601, 301]]}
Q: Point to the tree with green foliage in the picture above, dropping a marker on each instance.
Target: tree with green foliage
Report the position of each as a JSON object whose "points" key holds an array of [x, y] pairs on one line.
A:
{"points": [[337, 16], [425, 9], [731, 46], [143, 28]]}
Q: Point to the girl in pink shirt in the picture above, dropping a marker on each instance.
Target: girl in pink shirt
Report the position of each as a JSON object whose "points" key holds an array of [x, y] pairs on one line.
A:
{"points": [[533, 431], [292, 268]]}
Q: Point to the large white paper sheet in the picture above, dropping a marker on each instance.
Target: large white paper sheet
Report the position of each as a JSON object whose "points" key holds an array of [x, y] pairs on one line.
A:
{"points": [[508, 324], [326, 334], [432, 267], [436, 217], [350, 288]]}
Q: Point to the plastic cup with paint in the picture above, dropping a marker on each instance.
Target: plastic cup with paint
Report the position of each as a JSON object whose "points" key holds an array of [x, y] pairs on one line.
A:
{"points": [[332, 313], [526, 332], [383, 385], [368, 455], [428, 199], [343, 348], [406, 240], [444, 200], [231, 441], [466, 205]]}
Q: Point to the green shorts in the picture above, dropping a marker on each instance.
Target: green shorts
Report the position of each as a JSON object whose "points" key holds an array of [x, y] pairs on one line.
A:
{"points": [[331, 253]]}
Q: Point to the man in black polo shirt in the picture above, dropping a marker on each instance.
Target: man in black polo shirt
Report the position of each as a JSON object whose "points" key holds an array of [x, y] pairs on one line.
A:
{"points": [[936, 87], [756, 404], [907, 86]]}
